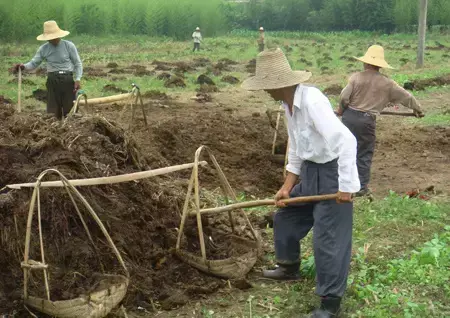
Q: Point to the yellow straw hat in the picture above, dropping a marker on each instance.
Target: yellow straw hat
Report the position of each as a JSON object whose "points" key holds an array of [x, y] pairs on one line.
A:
{"points": [[52, 31], [273, 72], [374, 56]]}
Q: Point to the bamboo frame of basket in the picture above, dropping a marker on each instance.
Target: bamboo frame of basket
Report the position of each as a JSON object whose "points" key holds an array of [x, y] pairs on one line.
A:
{"points": [[99, 303], [228, 268], [134, 97]]}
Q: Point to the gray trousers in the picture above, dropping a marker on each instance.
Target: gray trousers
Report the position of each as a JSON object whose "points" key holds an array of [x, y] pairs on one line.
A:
{"points": [[362, 125], [196, 47], [332, 223], [60, 94]]}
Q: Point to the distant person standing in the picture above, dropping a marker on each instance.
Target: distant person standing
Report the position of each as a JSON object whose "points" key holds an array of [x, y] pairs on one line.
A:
{"points": [[197, 36], [364, 97], [63, 63], [261, 41]]}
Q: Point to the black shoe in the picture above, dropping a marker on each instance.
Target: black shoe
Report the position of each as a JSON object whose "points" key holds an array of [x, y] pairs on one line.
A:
{"points": [[363, 193], [329, 308], [283, 272]]}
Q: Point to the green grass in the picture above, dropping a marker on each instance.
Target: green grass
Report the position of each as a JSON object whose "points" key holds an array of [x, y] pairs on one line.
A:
{"points": [[401, 252]]}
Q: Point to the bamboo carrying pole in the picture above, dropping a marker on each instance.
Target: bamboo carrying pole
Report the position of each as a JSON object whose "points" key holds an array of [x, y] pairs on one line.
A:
{"points": [[106, 100], [253, 204], [402, 114], [109, 180]]}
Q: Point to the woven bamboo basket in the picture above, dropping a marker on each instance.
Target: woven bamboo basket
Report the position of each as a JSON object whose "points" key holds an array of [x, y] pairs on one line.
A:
{"points": [[233, 267], [111, 288]]}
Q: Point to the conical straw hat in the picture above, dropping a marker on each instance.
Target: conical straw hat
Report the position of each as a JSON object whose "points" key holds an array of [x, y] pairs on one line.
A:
{"points": [[374, 56], [273, 71], [52, 31]]}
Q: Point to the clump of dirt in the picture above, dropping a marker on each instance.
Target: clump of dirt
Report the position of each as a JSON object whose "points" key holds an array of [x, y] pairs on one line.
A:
{"points": [[230, 79], [174, 81], [118, 71], [221, 66], [226, 61], [422, 84], [183, 67], [94, 72], [203, 97], [251, 66], [39, 94], [143, 72], [142, 217], [113, 89], [25, 81], [154, 94], [205, 79], [112, 65], [4, 100], [334, 89], [164, 76], [201, 62], [162, 66], [205, 88]]}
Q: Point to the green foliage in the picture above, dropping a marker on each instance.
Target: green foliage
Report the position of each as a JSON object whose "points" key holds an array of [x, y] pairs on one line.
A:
{"points": [[177, 18]]}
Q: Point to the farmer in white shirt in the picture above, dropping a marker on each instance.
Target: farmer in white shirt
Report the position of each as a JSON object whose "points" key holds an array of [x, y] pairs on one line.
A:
{"points": [[64, 68], [197, 37], [322, 156]]}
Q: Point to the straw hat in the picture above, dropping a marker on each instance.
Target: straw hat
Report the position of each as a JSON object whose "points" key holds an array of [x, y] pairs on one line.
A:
{"points": [[52, 31], [197, 29], [273, 71], [261, 29], [374, 56]]}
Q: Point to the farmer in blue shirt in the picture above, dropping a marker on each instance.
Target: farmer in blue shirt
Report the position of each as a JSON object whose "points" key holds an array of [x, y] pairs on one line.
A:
{"points": [[64, 68]]}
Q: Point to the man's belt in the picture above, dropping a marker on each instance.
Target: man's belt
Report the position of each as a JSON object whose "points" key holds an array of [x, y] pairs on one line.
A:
{"points": [[61, 73]]}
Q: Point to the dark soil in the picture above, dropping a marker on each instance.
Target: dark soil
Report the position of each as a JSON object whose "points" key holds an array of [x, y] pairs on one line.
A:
{"points": [[113, 89], [112, 65], [422, 84], [39, 94], [118, 71], [251, 66], [183, 67], [227, 61], [142, 217], [205, 79], [201, 62], [230, 79], [205, 88], [154, 94], [164, 76], [94, 72], [4, 100], [174, 82]]}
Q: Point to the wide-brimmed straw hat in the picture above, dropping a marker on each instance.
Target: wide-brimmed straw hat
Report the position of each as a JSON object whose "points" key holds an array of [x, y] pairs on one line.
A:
{"points": [[52, 31], [273, 72], [197, 29], [374, 56], [261, 29]]}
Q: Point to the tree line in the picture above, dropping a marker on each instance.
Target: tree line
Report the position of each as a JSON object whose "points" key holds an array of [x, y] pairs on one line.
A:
{"points": [[22, 19]]}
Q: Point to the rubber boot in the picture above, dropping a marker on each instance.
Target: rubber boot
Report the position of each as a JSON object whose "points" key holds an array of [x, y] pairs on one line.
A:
{"points": [[283, 272], [329, 308]]}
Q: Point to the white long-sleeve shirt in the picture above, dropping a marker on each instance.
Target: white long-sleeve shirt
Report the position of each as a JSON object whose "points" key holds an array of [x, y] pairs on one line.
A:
{"points": [[197, 36], [316, 134]]}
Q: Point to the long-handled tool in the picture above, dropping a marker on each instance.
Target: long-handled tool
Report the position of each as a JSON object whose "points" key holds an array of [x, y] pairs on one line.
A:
{"points": [[253, 204], [19, 91], [403, 114]]}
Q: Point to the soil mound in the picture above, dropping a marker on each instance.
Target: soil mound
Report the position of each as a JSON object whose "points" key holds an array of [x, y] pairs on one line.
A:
{"points": [[421, 84], [334, 89], [230, 79], [112, 65], [204, 79], [155, 94], [39, 94], [113, 89], [4, 100], [94, 72], [174, 81], [142, 217]]}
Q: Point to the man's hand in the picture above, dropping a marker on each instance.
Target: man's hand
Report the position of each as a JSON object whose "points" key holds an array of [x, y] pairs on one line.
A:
{"points": [[17, 67], [344, 197], [283, 193], [76, 86], [419, 114], [339, 111]]}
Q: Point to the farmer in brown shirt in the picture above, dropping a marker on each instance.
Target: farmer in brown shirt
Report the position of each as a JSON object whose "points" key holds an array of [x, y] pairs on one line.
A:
{"points": [[365, 96], [261, 41]]}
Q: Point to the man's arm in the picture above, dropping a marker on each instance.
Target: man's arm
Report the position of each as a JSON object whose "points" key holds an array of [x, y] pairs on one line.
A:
{"points": [[340, 140], [344, 98], [293, 171], [75, 58], [399, 95], [35, 61]]}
